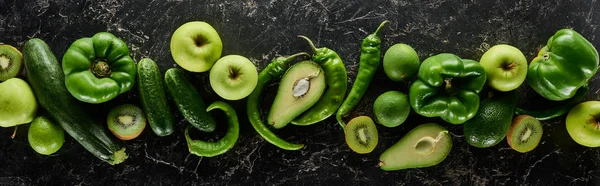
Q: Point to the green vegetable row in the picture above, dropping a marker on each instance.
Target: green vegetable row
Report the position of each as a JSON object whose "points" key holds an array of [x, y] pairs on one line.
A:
{"points": [[481, 95]]}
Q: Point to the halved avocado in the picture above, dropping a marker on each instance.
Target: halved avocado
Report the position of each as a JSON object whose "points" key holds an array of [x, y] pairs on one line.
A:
{"points": [[424, 146], [300, 88]]}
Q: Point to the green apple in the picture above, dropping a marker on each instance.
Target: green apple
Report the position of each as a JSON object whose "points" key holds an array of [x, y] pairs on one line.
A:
{"points": [[583, 123], [233, 77], [196, 46], [17, 103], [505, 66]]}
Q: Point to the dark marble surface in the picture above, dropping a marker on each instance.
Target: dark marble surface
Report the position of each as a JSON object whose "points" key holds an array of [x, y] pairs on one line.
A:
{"points": [[262, 30]]}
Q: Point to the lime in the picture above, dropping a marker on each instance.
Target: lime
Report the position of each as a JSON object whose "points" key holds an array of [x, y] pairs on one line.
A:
{"points": [[44, 136], [391, 108], [400, 62]]}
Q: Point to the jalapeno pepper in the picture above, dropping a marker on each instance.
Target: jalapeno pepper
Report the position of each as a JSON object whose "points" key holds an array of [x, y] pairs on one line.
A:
{"points": [[337, 82], [274, 70], [210, 149], [370, 58], [99, 68]]}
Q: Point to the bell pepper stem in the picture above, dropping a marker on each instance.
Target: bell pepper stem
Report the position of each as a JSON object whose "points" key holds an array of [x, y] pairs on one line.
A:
{"points": [[100, 69], [451, 90]]}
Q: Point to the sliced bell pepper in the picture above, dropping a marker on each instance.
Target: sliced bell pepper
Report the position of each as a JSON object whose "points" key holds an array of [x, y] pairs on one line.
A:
{"points": [[564, 65], [448, 87], [99, 68]]}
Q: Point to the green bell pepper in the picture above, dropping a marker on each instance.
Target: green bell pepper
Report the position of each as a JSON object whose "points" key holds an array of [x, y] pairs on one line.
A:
{"points": [[448, 87], [564, 65], [99, 68]]}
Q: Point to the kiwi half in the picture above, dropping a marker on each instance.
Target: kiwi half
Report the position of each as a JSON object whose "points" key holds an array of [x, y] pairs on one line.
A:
{"points": [[126, 121], [11, 61], [524, 134], [361, 135]]}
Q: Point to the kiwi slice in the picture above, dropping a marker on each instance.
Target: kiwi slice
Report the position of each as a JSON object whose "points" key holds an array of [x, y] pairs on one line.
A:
{"points": [[361, 135], [126, 121], [524, 133], [11, 61]]}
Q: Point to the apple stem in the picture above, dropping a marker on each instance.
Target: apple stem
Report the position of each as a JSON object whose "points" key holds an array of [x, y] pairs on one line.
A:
{"points": [[14, 133], [380, 27], [312, 45], [233, 73], [511, 65]]}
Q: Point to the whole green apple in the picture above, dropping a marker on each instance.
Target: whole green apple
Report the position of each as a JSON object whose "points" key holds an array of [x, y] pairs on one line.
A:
{"points": [[505, 66], [196, 46], [233, 77], [583, 123], [17, 103]]}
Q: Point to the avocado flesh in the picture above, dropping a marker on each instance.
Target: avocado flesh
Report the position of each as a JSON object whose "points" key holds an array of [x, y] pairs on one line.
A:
{"points": [[424, 146], [300, 88]]}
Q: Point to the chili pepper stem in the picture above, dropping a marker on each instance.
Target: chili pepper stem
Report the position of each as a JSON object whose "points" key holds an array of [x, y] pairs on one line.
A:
{"points": [[312, 45], [293, 56], [380, 27]]}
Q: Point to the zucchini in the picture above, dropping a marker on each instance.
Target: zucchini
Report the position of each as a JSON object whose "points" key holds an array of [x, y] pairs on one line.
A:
{"points": [[48, 83], [188, 101], [154, 98]]}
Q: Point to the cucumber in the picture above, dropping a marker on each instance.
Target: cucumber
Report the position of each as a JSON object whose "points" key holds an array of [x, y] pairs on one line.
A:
{"points": [[154, 98], [48, 83], [188, 101]]}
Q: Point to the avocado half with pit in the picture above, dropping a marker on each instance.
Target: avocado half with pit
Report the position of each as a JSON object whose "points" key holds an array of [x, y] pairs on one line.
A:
{"points": [[424, 146], [300, 88]]}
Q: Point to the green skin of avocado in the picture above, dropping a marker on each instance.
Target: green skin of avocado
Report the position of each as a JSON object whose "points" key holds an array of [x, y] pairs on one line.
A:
{"points": [[492, 122]]}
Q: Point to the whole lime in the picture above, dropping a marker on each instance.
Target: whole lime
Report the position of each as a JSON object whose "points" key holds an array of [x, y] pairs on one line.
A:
{"points": [[391, 108], [44, 136], [400, 62]]}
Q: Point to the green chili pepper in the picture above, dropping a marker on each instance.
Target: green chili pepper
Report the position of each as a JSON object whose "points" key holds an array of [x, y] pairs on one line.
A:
{"points": [[561, 108], [337, 82], [275, 69], [210, 149], [370, 58]]}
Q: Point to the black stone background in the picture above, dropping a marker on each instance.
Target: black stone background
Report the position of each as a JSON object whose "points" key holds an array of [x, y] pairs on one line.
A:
{"points": [[262, 30]]}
